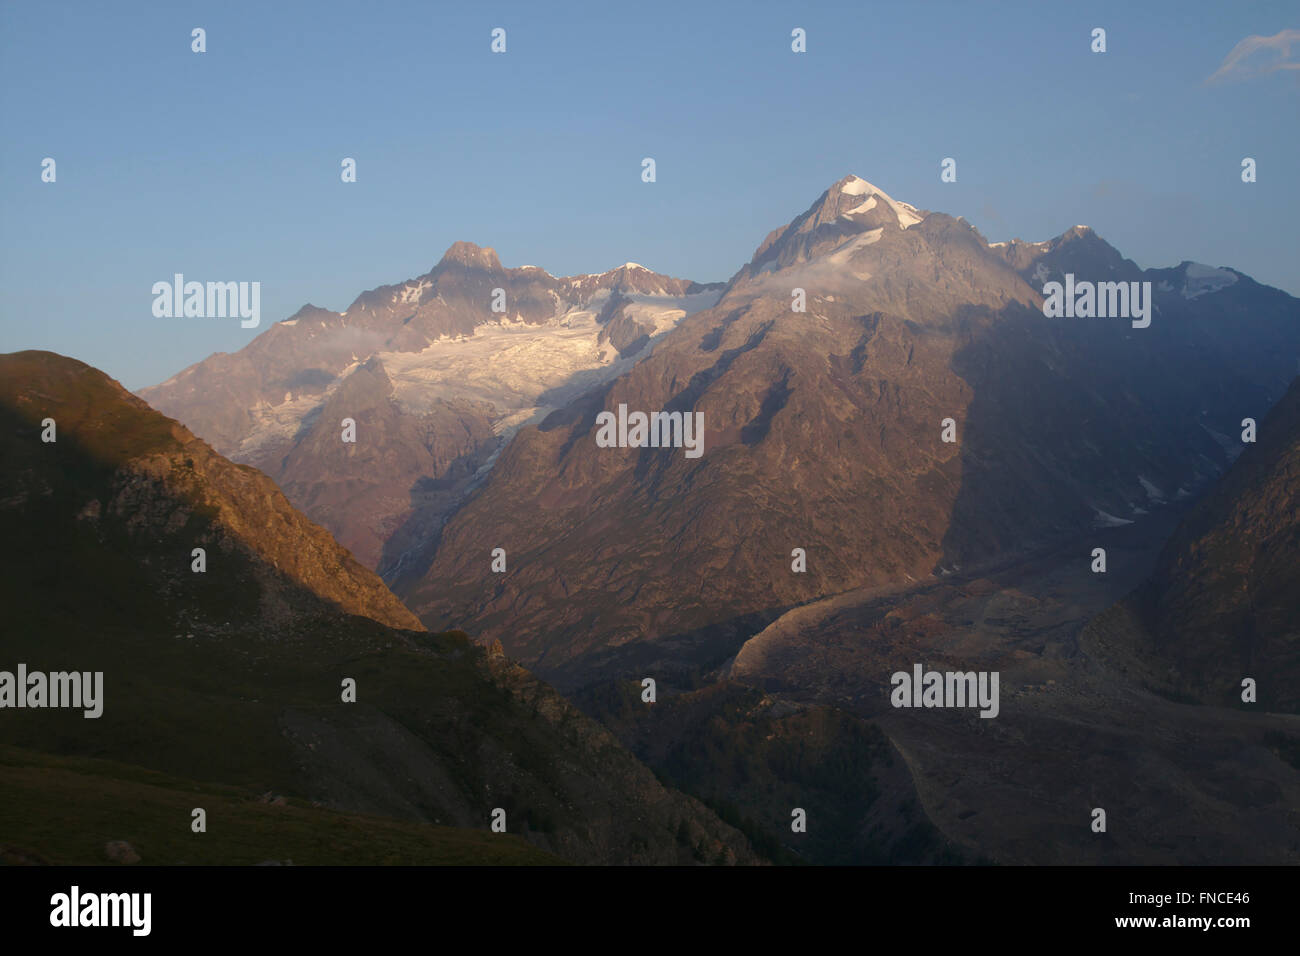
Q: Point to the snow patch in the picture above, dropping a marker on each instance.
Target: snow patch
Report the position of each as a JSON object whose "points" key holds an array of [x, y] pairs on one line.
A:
{"points": [[907, 215], [663, 312], [850, 248], [1202, 279], [1106, 520], [411, 293], [1153, 493], [1226, 443], [278, 423]]}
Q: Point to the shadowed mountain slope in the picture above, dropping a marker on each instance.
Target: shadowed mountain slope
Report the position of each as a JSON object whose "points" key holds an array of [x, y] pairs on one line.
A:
{"points": [[1223, 603], [235, 676]]}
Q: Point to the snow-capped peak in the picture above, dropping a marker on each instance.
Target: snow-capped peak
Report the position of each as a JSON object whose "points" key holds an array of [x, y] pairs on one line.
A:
{"points": [[857, 186], [907, 214]]}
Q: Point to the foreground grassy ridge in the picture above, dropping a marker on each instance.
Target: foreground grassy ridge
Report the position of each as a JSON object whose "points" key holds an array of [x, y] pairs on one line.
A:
{"points": [[64, 810], [232, 677]]}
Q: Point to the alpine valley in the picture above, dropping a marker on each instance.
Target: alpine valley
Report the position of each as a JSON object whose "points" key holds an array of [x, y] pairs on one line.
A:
{"points": [[906, 464]]}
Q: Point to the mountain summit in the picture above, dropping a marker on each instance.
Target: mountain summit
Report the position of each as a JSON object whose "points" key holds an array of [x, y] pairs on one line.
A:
{"points": [[850, 208], [469, 256]]}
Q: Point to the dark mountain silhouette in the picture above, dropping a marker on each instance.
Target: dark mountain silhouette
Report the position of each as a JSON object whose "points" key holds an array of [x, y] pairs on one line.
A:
{"points": [[229, 681]]}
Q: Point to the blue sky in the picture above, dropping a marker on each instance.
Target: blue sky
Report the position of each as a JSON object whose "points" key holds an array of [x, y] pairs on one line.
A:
{"points": [[225, 165]]}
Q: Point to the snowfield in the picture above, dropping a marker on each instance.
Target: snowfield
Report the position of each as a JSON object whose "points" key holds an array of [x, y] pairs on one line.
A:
{"points": [[520, 371], [1200, 279]]}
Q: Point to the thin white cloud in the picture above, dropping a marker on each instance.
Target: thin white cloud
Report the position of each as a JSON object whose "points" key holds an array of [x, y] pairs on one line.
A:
{"points": [[1275, 54]]}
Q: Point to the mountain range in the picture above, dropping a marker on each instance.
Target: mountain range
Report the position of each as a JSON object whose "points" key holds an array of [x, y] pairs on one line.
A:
{"points": [[824, 431], [823, 427], [436, 380], [905, 461]]}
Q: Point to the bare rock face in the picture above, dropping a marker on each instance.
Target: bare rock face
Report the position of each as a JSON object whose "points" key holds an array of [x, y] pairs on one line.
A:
{"points": [[824, 430], [384, 491]]}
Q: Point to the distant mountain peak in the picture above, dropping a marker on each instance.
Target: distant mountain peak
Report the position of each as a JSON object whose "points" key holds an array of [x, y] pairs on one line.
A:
{"points": [[1078, 249], [854, 186], [1075, 233], [618, 271], [309, 311], [470, 256], [850, 208]]}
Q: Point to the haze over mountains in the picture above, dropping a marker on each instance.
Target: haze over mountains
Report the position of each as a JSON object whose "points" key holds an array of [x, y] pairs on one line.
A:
{"points": [[822, 427], [824, 431], [945, 515]]}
